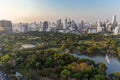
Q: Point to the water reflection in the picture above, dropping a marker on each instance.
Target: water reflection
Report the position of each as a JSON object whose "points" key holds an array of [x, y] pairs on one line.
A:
{"points": [[113, 66]]}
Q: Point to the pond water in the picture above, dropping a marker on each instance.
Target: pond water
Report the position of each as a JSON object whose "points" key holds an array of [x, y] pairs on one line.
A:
{"points": [[113, 66]]}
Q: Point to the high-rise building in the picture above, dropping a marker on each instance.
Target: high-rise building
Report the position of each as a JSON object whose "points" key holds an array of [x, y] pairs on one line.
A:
{"points": [[116, 30], [73, 25], [82, 24], [59, 24], [45, 26], [23, 27], [65, 24], [34, 26], [5, 26], [114, 19], [99, 26], [114, 22]]}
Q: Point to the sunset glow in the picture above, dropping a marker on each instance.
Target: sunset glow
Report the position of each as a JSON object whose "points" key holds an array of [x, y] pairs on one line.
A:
{"points": [[37, 10]]}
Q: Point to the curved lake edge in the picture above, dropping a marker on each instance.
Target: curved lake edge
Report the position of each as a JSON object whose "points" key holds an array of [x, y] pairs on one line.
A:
{"points": [[114, 65]]}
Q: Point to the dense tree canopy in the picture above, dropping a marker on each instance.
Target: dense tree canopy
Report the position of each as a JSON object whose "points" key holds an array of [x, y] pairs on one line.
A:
{"points": [[51, 57]]}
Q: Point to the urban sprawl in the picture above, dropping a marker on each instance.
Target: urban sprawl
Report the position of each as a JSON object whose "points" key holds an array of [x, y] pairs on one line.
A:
{"points": [[68, 26]]}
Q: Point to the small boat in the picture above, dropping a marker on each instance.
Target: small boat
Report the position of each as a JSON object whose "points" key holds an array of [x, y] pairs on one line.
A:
{"points": [[107, 59]]}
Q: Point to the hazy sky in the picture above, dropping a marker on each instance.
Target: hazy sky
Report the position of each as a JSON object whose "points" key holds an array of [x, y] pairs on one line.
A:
{"points": [[41, 10]]}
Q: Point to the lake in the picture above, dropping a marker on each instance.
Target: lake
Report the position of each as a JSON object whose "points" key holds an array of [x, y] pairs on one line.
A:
{"points": [[113, 66]]}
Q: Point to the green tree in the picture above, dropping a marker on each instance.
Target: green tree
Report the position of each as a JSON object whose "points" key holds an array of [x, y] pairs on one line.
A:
{"points": [[5, 58], [65, 73], [99, 77], [77, 76]]}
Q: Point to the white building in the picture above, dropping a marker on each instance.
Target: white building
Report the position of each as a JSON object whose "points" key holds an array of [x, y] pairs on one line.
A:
{"points": [[34, 26], [117, 30], [114, 19], [51, 27], [100, 28], [26, 46], [114, 22], [65, 24], [108, 26], [21, 27], [15, 28]]}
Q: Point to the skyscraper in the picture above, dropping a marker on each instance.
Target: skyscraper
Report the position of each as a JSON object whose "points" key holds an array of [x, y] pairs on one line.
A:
{"points": [[113, 19], [65, 24], [5, 26], [99, 26], [114, 22], [59, 24], [73, 25], [45, 26]]}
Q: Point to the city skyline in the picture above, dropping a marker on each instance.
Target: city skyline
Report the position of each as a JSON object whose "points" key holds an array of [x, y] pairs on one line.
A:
{"points": [[51, 10]]}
